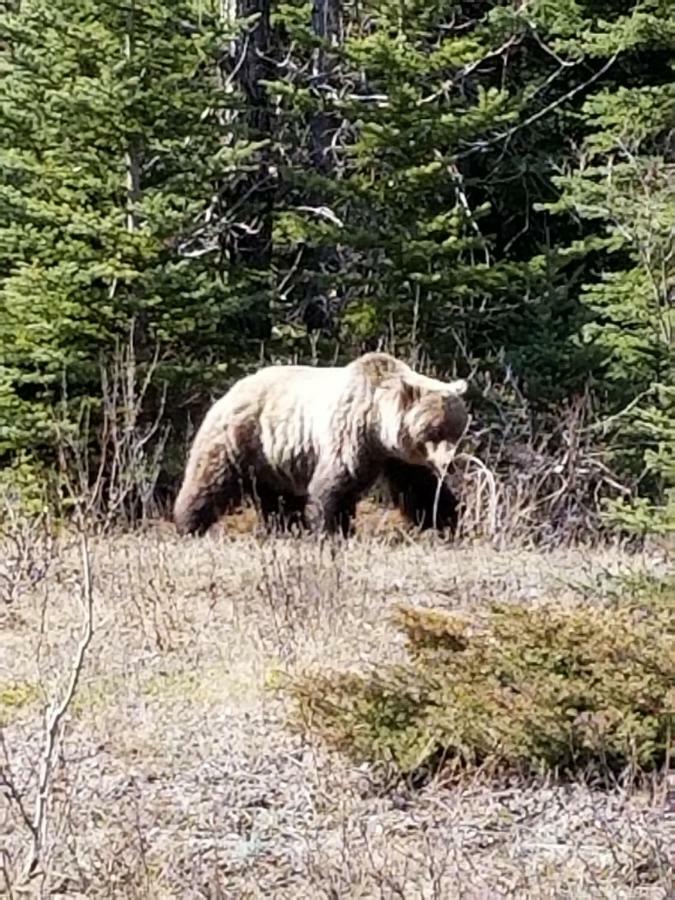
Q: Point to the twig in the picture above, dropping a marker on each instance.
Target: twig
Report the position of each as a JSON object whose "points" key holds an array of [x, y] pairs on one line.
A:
{"points": [[54, 720], [492, 486], [603, 423], [323, 212], [505, 135], [8, 781], [468, 69]]}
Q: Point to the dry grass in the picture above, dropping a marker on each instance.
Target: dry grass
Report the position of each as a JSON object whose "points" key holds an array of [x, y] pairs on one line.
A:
{"points": [[178, 778]]}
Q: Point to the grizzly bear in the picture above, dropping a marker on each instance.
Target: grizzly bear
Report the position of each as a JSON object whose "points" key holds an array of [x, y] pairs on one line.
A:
{"points": [[307, 442]]}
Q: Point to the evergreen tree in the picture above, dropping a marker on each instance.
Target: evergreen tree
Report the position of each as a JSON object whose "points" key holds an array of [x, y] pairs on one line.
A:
{"points": [[445, 134], [620, 185], [484, 186], [116, 149], [411, 263]]}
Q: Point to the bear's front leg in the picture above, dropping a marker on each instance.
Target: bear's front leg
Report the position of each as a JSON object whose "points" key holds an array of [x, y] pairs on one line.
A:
{"points": [[331, 501]]}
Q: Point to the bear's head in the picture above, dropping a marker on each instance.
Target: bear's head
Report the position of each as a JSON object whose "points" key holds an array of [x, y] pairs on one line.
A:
{"points": [[434, 419], [422, 419]]}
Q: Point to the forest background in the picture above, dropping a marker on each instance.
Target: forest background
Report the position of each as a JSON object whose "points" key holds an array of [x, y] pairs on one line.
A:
{"points": [[188, 189]]}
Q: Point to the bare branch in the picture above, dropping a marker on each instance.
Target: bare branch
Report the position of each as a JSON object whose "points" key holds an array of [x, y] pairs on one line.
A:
{"points": [[8, 782], [505, 135], [54, 718], [469, 69], [323, 212]]}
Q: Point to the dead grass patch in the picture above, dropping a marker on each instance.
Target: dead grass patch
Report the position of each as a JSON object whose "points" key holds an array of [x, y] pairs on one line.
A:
{"points": [[177, 776]]}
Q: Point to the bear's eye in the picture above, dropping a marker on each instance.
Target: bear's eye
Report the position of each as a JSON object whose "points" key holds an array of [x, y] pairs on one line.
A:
{"points": [[434, 432]]}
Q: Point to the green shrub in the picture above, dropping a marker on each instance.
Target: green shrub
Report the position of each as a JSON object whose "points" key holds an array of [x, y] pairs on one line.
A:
{"points": [[25, 488], [524, 688]]}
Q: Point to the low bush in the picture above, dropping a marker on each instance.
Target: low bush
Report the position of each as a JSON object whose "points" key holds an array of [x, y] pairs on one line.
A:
{"points": [[529, 688]]}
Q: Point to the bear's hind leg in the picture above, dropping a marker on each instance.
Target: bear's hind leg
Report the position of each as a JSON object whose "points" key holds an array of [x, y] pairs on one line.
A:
{"points": [[199, 505]]}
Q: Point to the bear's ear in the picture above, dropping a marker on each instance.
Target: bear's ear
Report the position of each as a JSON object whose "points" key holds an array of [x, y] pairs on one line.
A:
{"points": [[458, 388], [410, 393], [450, 388]]}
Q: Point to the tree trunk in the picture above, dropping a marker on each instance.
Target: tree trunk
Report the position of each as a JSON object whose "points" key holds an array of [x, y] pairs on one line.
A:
{"points": [[133, 173], [327, 25], [318, 308], [249, 68]]}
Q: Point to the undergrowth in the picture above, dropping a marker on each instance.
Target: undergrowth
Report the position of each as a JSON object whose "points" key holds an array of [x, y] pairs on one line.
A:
{"points": [[587, 687]]}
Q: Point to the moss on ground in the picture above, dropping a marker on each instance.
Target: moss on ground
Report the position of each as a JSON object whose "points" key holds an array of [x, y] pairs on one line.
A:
{"points": [[15, 696]]}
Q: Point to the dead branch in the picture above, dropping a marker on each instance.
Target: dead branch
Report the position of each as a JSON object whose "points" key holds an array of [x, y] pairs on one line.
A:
{"points": [[54, 720], [529, 120]]}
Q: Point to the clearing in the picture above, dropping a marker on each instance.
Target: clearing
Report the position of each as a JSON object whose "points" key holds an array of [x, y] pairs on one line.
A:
{"points": [[177, 775]]}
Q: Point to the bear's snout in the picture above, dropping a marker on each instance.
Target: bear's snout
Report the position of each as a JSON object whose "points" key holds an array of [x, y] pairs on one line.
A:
{"points": [[440, 456]]}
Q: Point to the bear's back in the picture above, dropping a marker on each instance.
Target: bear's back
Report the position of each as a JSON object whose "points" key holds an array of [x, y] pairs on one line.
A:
{"points": [[286, 412]]}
